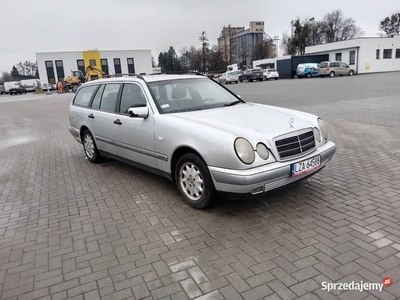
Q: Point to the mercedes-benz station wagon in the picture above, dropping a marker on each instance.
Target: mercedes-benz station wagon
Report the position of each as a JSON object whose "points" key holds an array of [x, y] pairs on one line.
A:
{"points": [[198, 134]]}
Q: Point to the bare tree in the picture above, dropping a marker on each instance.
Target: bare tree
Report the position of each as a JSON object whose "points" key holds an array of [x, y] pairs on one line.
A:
{"points": [[26, 68], [5, 77], [335, 27]]}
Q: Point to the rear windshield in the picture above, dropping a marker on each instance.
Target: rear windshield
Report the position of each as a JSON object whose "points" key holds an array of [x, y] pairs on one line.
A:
{"points": [[271, 70], [323, 65]]}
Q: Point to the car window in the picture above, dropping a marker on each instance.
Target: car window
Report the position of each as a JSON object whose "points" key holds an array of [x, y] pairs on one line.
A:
{"points": [[84, 95], [97, 97], [323, 65], [344, 65], [190, 94], [271, 70], [132, 96], [109, 98]]}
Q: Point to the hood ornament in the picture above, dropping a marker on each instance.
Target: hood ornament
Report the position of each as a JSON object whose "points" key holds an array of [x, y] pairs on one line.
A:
{"points": [[291, 123]]}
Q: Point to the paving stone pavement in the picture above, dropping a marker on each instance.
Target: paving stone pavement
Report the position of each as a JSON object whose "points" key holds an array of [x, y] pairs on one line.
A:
{"points": [[70, 229]]}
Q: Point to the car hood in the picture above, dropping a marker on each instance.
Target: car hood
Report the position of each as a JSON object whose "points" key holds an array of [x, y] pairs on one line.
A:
{"points": [[252, 121]]}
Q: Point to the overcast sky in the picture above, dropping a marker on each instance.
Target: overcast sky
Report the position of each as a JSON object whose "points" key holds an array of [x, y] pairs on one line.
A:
{"points": [[30, 26]]}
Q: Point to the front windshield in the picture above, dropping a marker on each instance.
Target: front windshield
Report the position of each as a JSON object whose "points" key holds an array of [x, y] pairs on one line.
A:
{"points": [[182, 95]]}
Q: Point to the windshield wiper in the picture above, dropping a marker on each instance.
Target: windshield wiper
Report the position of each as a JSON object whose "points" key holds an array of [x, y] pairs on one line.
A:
{"points": [[234, 103]]}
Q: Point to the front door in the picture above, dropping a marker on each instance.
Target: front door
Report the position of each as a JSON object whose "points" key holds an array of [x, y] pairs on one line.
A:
{"points": [[134, 137]]}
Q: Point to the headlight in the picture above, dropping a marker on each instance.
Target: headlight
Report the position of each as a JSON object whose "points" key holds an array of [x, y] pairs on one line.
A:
{"points": [[322, 127], [262, 151], [244, 151], [317, 134]]}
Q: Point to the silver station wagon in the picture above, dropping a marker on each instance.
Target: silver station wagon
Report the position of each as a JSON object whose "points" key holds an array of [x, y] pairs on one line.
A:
{"points": [[198, 134]]}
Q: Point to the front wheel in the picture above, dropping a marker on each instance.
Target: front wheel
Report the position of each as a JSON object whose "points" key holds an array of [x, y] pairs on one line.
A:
{"points": [[332, 74], [308, 75], [194, 181], [90, 148], [351, 73]]}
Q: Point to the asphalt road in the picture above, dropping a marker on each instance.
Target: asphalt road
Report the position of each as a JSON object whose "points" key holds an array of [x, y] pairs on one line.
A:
{"points": [[72, 229]]}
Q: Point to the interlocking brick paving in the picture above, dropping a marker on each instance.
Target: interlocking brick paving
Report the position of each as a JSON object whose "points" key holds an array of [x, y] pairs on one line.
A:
{"points": [[76, 230]]}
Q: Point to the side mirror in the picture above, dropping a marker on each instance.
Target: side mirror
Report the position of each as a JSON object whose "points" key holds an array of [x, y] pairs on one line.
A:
{"points": [[139, 112]]}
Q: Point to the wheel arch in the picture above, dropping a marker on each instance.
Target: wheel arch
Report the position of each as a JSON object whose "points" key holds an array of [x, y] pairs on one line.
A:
{"points": [[82, 130], [177, 154]]}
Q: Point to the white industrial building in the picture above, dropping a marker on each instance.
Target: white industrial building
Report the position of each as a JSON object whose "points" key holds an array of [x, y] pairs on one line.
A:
{"points": [[365, 55], [54, 66]]}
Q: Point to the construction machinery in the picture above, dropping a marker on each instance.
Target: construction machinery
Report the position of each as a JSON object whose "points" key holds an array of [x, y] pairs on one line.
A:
{"points": [[76, 78]]}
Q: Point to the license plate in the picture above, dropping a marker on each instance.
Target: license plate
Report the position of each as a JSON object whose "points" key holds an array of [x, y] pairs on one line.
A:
{"points": [[306, 166]]}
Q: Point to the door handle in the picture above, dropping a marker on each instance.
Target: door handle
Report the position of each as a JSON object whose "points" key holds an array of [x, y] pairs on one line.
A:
{"points": [[91, 116], [118, 122]]}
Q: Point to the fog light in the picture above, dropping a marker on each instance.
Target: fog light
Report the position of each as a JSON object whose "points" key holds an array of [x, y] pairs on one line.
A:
{"points": [[257, 190]]}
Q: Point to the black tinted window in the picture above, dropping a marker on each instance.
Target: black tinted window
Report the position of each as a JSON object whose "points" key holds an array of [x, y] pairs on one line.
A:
{"points": [[84, 95], [109, 99], [132, 96], [97, 97]]}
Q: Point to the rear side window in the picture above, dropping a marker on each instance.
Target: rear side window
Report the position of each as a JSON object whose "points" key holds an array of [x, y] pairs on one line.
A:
{"points": [[109, 99], [97, 97], [323, 65], [84, 95]]}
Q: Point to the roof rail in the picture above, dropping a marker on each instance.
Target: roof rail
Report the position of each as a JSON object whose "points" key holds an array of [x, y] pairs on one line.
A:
{"points": [[183, 73], [124, 74]]}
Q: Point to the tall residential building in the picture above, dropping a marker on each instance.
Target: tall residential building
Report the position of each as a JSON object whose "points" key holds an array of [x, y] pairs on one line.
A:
{"points": [[238, 44]]}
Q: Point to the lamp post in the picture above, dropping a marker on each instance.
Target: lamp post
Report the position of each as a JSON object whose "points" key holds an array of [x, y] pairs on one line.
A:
{"points": [[312, 29], [276, 39]]}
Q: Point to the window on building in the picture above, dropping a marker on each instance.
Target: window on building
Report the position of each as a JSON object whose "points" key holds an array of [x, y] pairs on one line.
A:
{"points": [[338, 56], [92, 62], [378, 53], [131, 65], [104, 65], [117, 66], [397, 53], [352, 59], [81, 66], [50, 72], [60, 69], [387, 53]]}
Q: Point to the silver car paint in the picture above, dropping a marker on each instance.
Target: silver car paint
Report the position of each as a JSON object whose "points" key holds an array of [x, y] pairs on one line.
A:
{"points": [[204, 131]]}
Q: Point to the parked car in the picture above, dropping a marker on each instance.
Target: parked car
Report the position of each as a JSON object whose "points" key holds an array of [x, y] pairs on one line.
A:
{"points": [[198, 134], [2, 90], [30, 88], [233, 76], [333, 68], [252, 74], [17, 89], [307, 70], [49, 86], [222, 78], [270, 74]]}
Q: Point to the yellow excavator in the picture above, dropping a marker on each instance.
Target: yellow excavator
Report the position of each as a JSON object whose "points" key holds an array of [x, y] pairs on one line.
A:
{"points": [[76, 78]]}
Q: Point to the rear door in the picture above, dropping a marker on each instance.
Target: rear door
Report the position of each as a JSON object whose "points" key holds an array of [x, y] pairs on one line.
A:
{"points": [[103, 115]]}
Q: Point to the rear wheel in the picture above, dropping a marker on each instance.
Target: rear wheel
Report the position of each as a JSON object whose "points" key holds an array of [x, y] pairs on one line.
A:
{"points": [[90, 148], [332, 74], [194, 181], [308, 75], [351, 73]]}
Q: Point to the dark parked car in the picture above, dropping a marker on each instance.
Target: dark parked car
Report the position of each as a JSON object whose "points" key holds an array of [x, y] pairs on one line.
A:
{"points": [[17, 90], [252, 74]]}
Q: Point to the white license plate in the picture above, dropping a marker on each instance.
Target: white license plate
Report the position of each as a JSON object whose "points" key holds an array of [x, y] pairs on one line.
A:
{"points": [[306, 166]]}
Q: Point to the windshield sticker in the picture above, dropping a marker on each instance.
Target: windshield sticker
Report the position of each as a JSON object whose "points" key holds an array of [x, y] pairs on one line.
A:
{"points": [[164, 106]]}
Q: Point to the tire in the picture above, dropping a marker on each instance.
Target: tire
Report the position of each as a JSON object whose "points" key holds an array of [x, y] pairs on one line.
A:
{"points": [[351, 73], [237, 82], [276, 78], [198, 194], [308, 75], [332, 74], [240, 79], [90, 148]]}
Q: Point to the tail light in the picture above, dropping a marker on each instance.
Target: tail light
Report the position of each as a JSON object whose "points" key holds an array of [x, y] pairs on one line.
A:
{"points": [[327, 68]]}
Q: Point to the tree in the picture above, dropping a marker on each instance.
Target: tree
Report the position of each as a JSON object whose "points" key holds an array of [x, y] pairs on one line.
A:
{"points": [[391, 24], [301, 37], [335, 27], [204, 47], [167, 60], [14, 72], [5, 77], [27, 68]]}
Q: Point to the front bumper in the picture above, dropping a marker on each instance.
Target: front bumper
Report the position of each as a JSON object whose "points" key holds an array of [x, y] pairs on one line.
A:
{"points": [[268, 177]]}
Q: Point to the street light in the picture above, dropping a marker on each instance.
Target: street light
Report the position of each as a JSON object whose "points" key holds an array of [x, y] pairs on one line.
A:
{"points": [[312, 29]]}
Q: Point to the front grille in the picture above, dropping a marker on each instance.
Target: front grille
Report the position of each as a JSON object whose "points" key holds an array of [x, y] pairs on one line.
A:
{"points": [[295, 145]]}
